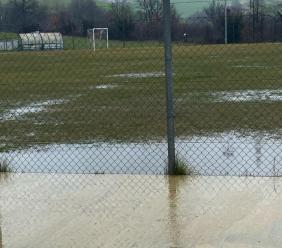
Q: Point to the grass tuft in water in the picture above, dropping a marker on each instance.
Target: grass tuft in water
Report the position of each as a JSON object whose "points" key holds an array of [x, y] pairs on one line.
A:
{"points": [[182, 168], [5, 167]]}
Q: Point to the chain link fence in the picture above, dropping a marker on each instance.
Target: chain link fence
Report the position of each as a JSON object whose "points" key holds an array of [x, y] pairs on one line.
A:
{"points": [[67, 109]]}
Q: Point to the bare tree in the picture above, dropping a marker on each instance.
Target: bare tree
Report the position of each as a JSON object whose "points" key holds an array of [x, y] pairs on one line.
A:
{"points": [[122, 19], [26, 15], [151, 10], [85, 14]]}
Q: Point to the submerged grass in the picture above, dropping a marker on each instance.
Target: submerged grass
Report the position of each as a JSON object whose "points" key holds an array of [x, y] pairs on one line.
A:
{"points": [[182, 168], [5, 167], [5, 170]]}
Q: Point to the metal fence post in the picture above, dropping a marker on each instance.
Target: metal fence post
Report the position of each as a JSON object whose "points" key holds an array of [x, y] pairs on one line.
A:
{"points": [[169, 86], [225, 23]]}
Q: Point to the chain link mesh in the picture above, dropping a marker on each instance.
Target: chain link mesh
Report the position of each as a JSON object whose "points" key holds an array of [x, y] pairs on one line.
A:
{"points": [[66, 110]]}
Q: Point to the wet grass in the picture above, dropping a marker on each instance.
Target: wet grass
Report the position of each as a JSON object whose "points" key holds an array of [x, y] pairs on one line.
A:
{"points": [[5, 171], [182, 168], [8, 36], [135, 109], [77, 42], [5, 167]]}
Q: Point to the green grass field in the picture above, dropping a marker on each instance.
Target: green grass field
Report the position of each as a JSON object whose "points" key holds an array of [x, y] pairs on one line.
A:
{"points": [[77, 43], [78, 96], [8, 36]]}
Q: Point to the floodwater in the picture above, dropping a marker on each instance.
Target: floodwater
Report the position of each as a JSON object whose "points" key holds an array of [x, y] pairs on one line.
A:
{"points": [[222, 154], [266, 95], [248, 96], [253, 66], [35, 107], [141, 75], [140, 211], [105, 86]]}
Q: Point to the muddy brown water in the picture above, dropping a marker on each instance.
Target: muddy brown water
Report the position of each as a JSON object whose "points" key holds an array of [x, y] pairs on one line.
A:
{"points": [[140, 211]]}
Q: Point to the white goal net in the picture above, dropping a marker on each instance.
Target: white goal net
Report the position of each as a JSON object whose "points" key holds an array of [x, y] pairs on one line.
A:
{"points": [[98, 38]]}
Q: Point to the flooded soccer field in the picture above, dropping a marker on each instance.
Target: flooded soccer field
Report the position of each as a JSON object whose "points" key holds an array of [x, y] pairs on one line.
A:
{"points": [[119, 143], [75, 111]]}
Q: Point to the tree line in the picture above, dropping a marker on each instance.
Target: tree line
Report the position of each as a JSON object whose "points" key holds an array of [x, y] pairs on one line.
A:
{"points": [[253, 22]]}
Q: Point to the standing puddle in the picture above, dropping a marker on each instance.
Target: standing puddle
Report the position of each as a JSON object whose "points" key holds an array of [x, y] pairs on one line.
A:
{"points": [[16, 113], [253, 66], [247, 96], [222, 154], [140, 75], [105, 86], [266, 95]]}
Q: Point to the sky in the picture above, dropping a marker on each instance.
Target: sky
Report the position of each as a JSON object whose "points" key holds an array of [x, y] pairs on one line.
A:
{"points": [[188, 7]]}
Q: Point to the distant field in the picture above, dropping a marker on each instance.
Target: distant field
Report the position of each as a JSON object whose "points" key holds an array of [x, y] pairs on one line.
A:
{"points": [[74, 42], [77, 96], [8, 36], [78, 42]]}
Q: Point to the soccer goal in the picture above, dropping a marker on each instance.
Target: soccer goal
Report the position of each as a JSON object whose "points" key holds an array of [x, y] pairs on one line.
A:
{"points": [[98, 38]]}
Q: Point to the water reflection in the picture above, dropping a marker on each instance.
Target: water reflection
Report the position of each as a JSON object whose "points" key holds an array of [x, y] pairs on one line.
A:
{"points": [[174, 230], [216, 202], [1, 242], [174, 188], [231, 153], [4, 177], [258, 150]]}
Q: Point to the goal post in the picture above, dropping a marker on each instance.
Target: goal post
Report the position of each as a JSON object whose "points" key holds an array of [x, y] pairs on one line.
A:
{"points": [[95, 35]]}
